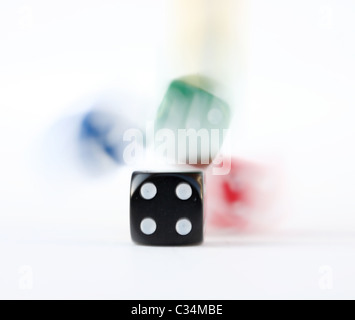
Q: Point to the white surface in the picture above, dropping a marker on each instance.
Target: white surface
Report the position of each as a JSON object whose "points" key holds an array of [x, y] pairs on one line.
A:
{"points": [[64, 233], [103, 263]]}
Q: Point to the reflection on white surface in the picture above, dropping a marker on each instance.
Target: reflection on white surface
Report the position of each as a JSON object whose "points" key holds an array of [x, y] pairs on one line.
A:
{"points": [[102, 263]]}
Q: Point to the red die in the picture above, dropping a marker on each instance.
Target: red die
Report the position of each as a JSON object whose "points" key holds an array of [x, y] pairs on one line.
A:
{"points": [[243, 199]]}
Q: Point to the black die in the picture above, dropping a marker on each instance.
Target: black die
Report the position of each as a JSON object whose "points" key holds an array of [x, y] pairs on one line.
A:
{"points": [[167, 208]]}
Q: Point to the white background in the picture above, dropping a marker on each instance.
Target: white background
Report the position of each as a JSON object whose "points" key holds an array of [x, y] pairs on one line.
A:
{"points": [[64, 233]]}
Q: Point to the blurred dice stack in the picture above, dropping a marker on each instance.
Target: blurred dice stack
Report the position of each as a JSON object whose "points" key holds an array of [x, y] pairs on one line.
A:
{"points": [[193, 119]]}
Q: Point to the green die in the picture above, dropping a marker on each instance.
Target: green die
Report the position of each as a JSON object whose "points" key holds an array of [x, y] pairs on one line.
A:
{"points": [[190, 104]]}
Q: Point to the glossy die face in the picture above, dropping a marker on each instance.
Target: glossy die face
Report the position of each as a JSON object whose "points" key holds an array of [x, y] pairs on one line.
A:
{"points": [[167, 208]]}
